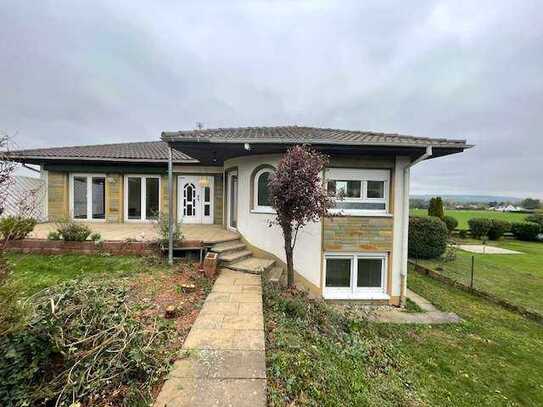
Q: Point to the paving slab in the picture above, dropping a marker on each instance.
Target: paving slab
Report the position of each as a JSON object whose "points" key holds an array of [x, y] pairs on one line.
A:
{"points": [[203, 392], [225, 362]]}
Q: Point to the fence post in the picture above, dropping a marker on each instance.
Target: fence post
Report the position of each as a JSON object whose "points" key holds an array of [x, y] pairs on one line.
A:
{"points": [[472, 268]]}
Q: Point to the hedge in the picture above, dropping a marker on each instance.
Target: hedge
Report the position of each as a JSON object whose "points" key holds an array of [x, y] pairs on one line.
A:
{"points": [[427, 237], [526, 231]]}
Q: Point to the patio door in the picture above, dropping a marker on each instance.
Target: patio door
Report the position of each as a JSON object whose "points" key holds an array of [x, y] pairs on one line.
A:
{"points": [[195, 198]]}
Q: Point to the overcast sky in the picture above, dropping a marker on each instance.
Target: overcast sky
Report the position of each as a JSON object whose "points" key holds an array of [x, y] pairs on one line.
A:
{"points": [[98, 72]]}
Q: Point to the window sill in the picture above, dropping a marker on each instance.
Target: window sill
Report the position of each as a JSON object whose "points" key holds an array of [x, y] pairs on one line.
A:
{"points": [[360, 296], [263, 210], [350, 212]]}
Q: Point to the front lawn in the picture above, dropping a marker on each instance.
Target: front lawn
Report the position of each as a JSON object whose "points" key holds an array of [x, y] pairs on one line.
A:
{"points": [[317, 357], [91, 330], [517, 278]]}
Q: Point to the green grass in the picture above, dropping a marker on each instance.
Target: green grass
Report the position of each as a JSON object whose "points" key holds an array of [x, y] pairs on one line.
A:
{"points": [[463, 216], [316, 358], [516, 278], [33, 272]]}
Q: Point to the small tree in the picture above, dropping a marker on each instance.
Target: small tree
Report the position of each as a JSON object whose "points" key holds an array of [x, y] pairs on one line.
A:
{"points": [[298, 196], [531, 203], [435, 208]]}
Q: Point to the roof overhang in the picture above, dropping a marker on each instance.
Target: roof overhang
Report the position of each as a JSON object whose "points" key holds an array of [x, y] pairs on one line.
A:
{"points": [[41, 160], [215, 152]]}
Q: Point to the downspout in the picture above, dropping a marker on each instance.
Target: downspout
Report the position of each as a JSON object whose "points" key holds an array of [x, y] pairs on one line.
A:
{"points": [[405, 218], [170, 206]]}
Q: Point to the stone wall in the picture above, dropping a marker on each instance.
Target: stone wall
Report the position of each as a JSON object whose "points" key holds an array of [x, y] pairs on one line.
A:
{"points": [[57, 198], [114, 198], [218, 200], [357, 234]]}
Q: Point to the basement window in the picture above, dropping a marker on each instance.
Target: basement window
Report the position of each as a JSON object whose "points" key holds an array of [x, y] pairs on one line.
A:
{"points": [[355, 275]]}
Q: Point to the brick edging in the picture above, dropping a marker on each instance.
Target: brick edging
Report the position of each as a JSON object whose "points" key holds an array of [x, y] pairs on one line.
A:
{"points": [[532, 315]]}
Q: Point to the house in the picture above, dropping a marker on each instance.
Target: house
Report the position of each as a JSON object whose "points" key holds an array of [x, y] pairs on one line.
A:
{"points": [[25, 195], [219, 176]]}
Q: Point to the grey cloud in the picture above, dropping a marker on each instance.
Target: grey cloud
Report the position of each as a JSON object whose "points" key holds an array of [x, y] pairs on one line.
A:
{"points": [[96, 72]]}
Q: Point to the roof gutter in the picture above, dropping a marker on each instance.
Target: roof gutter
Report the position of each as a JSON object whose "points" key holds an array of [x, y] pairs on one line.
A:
{"points": [[405, 218]]}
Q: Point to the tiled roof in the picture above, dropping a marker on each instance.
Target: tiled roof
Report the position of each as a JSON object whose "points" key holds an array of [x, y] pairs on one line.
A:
{"points": [[309, 135], [147, 151]]}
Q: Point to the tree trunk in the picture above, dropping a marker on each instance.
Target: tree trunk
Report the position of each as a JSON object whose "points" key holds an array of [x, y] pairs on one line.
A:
{"points": [[287, 231]]}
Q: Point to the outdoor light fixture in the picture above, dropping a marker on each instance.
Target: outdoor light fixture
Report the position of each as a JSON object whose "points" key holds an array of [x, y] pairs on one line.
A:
{"points": [[204, 181], [247, 146]]}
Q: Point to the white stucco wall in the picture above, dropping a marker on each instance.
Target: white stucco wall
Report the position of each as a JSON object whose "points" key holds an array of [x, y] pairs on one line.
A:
{"points": [[254, 226], [398, 255]]}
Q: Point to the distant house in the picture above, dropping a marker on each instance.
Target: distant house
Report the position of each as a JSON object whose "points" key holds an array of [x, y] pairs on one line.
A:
{"points": [[220, 177], [507, 208], [29, 192]]}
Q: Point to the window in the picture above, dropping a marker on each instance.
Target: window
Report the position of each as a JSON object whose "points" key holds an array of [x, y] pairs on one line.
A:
{"points": [[261, 193], [142, 197], [88, 197], [355, 276], [358, 191]]}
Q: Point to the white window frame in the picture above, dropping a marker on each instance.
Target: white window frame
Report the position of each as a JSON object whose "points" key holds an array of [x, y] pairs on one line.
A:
{"points": [[258, 208], [353, 292], [143, 183], [89, 177], [362, 175]]}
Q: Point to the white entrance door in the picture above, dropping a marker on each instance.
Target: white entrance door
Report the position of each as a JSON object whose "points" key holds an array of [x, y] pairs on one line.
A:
{"points": [[195, 198]]}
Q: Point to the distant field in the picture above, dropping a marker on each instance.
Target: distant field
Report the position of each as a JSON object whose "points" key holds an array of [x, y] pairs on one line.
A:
{"points": [[463, 216]]}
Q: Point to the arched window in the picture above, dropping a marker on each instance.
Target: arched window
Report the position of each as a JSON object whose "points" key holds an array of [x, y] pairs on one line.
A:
{"points": [[261, 194]]}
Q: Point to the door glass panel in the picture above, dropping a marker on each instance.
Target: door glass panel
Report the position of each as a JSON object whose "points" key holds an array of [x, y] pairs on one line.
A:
{"points": [[189, 200], [151, 198], [338, 273], [134, 198], [234, 201], [207, 200], [369, 272], [80, 197], [98, 198]]}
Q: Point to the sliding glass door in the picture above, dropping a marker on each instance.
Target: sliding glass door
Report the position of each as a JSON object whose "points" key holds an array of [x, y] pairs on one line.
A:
{"points": [[142, 197], [88, 196]]}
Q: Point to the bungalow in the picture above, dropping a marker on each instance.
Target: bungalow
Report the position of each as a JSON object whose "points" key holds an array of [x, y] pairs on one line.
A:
{"points": [[219, 177]]}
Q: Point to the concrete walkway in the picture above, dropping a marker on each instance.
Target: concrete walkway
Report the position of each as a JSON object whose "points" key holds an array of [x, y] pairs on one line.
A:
{"points": [[226, 363], [430, 314]]}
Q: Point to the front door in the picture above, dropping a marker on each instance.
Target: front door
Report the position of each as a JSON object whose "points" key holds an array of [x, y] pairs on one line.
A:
{"points": [[195, 198]]}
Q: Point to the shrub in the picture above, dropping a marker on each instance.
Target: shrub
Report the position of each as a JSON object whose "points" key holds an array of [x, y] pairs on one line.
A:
{"points": [[479, 227], [435, 208], [72, 231], [463, 234], [16, 227], [54, 235], [75, 342], [95, 237], [535, 218], [162, 228], [450, 222], [499, 227], [526, 231], [427, 237]]}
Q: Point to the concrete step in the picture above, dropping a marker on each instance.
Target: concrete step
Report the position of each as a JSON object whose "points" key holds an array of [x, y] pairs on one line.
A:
{"points": [[228, 246], [233, 256], [219, 240], [252, 265], [276, 275]]}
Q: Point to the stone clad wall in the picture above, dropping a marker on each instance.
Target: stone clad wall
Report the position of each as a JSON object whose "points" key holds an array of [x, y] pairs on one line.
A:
{"points": [[357, 234], [114, 198], [57, 198], [218, 200]]}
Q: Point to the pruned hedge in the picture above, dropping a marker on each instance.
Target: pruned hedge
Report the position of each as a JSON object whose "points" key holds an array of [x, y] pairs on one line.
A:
{"points": [[528, 231], [427, 237]]}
